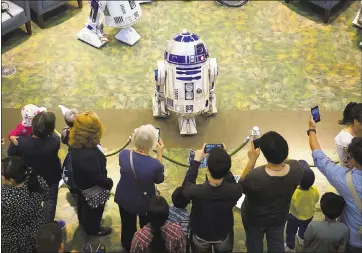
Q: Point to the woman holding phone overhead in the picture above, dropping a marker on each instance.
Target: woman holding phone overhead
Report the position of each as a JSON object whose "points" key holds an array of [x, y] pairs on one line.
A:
{"points": [[139, 174], [352, 122]]}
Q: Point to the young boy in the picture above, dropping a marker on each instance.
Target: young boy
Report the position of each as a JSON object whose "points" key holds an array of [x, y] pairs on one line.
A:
{"points": [[69, 117], [327, 235], [49, 238], [302, 208], [178, 213]]}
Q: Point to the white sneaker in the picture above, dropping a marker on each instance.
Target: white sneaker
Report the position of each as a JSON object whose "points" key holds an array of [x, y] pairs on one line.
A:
{"points": [[287, 249], [300, 241]]}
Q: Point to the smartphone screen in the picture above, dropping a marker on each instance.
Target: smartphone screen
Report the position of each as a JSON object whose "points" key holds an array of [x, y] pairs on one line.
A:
{"points": [[315, 114], [256, 143], [158, 132], [208, 147]]}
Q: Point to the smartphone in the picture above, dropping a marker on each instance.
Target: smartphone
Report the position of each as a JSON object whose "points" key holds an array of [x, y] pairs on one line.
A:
{"points": [[192, 157], [208, 147], [315, 114], [158, 132], [256, 143]]}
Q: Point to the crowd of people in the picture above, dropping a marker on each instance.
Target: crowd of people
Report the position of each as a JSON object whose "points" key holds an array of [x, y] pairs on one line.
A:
{"points": [[279, 196]]}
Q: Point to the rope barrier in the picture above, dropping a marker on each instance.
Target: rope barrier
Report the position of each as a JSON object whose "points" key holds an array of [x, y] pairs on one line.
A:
{"points": [[116, 151]]}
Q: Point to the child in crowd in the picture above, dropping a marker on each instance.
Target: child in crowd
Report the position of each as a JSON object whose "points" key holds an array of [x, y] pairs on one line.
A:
{"points": [[25, 126], [178, 213], [69, 117], [328, 235], [302, 208], [49, 238]]}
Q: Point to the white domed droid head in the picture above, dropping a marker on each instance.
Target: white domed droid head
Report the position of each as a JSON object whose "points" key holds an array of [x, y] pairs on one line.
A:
{"points": [[185, 82]]}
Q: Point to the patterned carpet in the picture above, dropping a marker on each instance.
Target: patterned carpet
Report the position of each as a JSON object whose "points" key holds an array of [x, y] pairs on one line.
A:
{"points": [[271, 56]]}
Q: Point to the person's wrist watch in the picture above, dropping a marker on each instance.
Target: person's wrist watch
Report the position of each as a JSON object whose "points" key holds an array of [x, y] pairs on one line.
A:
{"points": [[311, 130]]}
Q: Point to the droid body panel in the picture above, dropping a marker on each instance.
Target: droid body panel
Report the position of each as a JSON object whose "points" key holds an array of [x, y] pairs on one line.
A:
{"points": [[185, 82], [122, 14]]}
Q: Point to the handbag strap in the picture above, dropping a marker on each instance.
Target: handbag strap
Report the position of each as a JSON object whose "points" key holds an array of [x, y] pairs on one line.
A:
{"points": [[353, 191], [135, 174]]}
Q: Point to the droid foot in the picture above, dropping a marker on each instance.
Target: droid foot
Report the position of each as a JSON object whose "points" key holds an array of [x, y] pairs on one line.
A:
{"points": [[91, 38], [128, 36], [187, 126]]}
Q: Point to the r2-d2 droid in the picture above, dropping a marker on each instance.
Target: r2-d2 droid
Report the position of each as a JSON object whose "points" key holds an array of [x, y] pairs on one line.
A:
{"points": [[185, 82], [117, 13]]}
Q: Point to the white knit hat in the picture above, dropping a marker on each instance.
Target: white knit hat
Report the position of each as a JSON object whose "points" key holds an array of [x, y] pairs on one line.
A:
{"points": [[28, 113]]}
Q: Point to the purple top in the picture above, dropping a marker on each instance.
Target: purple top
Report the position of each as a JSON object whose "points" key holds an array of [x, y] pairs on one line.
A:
{"points": [[129, 194]]}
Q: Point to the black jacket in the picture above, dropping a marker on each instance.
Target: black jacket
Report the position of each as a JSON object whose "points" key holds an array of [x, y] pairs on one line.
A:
{"points": [[89, 168], [211, 216]]}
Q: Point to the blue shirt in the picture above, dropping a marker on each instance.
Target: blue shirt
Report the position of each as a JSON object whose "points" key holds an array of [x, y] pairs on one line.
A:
{"points": [[336, 176], [181, 217], [129, 194]]}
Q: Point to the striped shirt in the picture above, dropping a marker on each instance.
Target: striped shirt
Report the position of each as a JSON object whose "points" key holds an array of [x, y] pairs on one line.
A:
{"points": [[171, 232], [181, 217]]}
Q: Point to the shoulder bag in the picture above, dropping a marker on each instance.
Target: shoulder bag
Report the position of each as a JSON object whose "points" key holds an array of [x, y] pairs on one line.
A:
{"points": [[95, 196], [353, 191], [138, 181]]}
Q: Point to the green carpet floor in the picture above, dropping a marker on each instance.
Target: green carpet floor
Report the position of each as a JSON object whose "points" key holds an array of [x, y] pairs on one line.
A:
{"points": [[272, 57]]}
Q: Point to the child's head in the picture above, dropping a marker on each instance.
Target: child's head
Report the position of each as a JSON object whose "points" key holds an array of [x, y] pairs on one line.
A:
{"points": [[49, 238], [308, 176], [28, 113], [70, 116], [178, 198], [332, 205]]}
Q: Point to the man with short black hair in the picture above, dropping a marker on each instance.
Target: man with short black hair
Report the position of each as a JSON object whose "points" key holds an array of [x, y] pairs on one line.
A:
{"points": [[212, 221], [269, 190]]}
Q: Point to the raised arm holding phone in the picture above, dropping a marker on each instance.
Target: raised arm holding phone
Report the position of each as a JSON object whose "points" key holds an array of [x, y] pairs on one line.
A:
{"points": [[347, 183]]}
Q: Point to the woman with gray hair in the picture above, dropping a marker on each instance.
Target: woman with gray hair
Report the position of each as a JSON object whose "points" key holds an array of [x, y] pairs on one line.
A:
{"points": [[139, 174]]}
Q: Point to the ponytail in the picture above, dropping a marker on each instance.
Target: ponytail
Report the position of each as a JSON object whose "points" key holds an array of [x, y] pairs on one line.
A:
{"points": [[158, 243], [157, 214], [347, 114], [352, 112]]}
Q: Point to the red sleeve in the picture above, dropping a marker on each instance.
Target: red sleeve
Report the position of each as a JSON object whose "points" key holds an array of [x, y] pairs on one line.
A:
{"points": [[17, 131]]}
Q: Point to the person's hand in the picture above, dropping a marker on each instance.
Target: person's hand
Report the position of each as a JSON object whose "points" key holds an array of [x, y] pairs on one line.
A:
{"points": [[253, 152], [14, 140], [2, 141], [312, 124], [200, 154], [160, 145]]}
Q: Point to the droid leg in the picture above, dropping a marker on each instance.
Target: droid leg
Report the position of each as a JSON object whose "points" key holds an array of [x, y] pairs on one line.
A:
{"points": [[213, 109], [92, 33], [187, 125], [128, 35], [159, 107]]}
